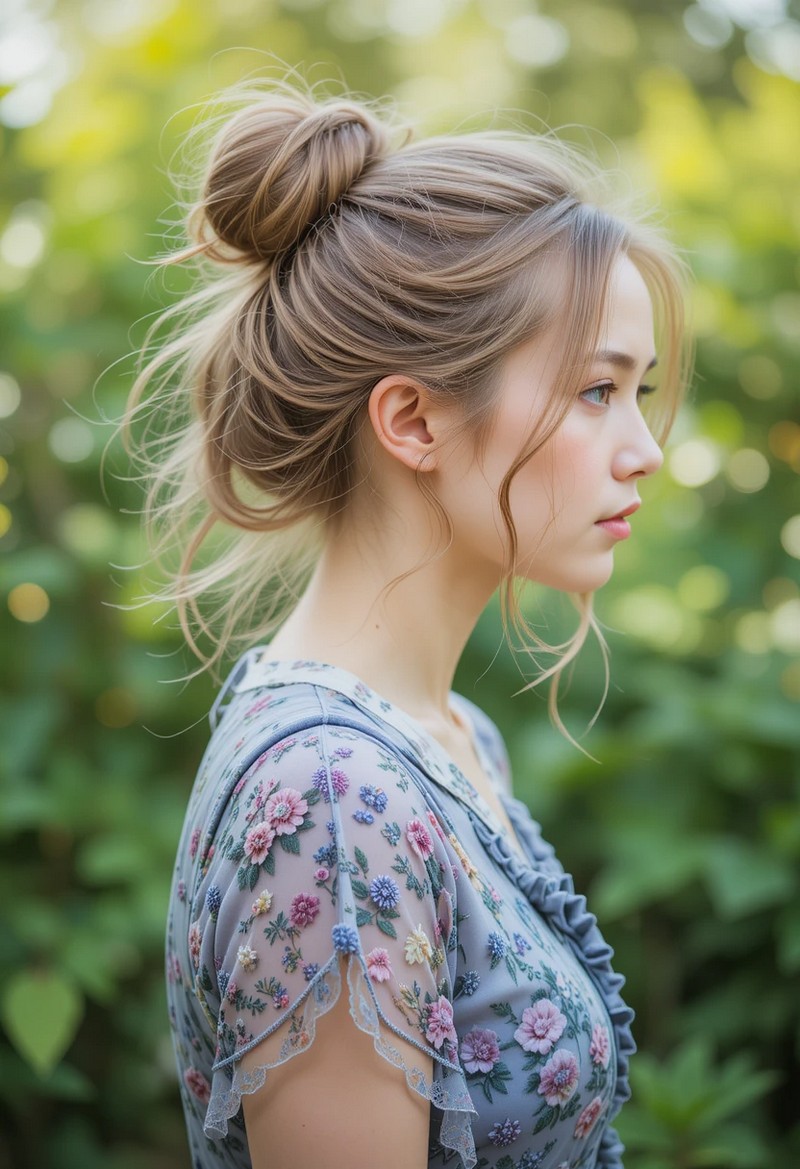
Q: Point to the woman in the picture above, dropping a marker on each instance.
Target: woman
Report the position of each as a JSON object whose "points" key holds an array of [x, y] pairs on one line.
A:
{"points": [[416, 376]]}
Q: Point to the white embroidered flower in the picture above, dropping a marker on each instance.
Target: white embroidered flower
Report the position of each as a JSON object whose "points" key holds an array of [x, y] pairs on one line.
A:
{"points": [[247, 958], [262, 902], [418, 947]]}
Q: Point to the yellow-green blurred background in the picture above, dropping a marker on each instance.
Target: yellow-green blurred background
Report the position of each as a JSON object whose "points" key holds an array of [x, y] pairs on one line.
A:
{"points": [[686, 834]]}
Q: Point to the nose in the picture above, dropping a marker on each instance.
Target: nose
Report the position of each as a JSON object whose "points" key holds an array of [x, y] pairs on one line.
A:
{"points": [[638, 453]]}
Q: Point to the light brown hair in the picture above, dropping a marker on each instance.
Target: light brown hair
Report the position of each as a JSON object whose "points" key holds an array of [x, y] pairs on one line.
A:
{"points": [[330, 250]]}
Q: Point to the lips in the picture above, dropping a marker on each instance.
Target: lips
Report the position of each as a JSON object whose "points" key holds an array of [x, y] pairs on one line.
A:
{"points": [[620, 515]]}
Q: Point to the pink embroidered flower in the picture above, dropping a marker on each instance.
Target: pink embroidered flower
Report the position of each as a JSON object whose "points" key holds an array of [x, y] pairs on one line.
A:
{"points": [[419, 838], [285, 811], [304, 908], [600, 1048], [195, 940], [258, 842], [480, 1049], [197, 1084], [321, 874], [231, 991], [378, 966], [193, 842], [542, 1026], [439, 1023], [587, 1119], [559, 1077]]}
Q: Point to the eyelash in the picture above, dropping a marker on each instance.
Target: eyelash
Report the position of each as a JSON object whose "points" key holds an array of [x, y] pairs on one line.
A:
{"points": [[612, 388]]}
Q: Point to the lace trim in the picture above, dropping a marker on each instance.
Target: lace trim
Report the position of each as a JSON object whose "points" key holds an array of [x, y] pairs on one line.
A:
{"points": [[551, 892], [448, 1091]]}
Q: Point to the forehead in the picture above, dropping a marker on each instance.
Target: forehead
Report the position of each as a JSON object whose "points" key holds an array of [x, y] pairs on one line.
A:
{"points": [[627, 321]]}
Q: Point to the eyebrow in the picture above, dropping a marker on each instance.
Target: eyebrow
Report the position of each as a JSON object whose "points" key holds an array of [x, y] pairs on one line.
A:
{"points": [[621, 360]]}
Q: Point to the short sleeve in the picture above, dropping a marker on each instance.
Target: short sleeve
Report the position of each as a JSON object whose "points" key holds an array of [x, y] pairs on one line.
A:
{"points": [[329, 858]]}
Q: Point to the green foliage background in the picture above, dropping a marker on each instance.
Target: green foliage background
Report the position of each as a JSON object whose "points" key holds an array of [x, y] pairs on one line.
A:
{"points": [[686, 834]]}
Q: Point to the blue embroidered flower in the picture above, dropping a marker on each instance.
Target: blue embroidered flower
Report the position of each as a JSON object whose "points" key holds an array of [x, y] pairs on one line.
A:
{"points": [[505, 1133], [495, 945], [384, 892], [522, 944], [326, 855], [309, 970], [531, 1160], [362, 817], [223, 978], [472, 981], [213, 901], [391, 832], [329, 824], [373, 797], [345, 939]]}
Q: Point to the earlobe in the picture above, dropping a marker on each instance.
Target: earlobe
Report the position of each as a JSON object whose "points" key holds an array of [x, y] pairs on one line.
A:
{"points": [[400, 411]]}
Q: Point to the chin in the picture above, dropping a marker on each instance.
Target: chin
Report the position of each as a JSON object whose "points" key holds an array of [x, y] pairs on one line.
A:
{"points": [[583, 579]]}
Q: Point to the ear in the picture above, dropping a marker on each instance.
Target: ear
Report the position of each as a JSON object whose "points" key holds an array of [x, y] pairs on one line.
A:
{"points": [[405, 421]]}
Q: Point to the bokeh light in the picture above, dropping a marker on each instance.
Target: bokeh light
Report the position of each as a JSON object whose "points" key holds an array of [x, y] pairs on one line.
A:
{"points": [[694, 462], [747, 470], [790, 536], [704, 588], [28, 602], [752, 633], [10, 395], [70, 440]]}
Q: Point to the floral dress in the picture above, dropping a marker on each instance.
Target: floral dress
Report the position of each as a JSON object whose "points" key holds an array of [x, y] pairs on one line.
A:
{"points": [[332, 847]]}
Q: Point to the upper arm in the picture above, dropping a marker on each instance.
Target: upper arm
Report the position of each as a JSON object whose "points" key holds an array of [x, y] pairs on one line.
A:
{"points": [[323, 954], [344, 1107]]}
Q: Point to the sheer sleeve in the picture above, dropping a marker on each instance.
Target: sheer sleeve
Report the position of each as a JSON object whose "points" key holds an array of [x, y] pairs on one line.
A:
{"points": [[329, 859]]}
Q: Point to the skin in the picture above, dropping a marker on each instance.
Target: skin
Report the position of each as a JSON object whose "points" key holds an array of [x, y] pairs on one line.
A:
{"points": [[407, 646]]}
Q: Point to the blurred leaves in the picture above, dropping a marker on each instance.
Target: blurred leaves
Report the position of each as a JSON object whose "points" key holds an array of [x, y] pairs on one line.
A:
{"points": [[686, 834]]}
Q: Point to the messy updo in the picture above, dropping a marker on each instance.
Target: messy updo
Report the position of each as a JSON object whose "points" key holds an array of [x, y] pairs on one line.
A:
{"points": [[330, 250]]}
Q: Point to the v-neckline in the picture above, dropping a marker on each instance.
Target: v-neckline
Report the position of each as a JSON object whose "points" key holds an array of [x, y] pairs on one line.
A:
{"points": [[260, 670]]}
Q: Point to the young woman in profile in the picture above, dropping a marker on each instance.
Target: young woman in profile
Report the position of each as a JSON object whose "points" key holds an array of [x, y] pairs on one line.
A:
{"points": [[412, 375]]}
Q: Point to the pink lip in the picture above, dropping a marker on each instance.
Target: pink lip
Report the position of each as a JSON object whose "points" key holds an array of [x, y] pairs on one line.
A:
{"points": [[617, 525]]}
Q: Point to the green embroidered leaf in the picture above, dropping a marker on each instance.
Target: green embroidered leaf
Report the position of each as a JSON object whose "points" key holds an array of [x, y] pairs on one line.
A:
{"points": [[290, 843], [41, 1012], [363, 916], [237, 852], [546, 1120], [311, 796], [532, 1083], [268, 864], [361, 891], [362, 861], [252, 878], [387, 928]]}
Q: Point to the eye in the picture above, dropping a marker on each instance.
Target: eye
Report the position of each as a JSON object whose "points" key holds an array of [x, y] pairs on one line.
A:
{"points": [[599, 395], [645, 390]]}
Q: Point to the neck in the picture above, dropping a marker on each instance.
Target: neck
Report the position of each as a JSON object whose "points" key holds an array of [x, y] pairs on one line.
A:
{"points": [[405, 645]]}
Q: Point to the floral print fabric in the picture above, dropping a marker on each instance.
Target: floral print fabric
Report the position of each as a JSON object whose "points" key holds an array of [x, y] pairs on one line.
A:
{"points": [[351, 856]]}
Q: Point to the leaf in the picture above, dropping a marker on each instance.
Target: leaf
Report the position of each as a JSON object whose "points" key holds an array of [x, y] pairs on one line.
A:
{"points": [[363, 916], [387, 928], [290, 843], [362, 861], [360, 890], [743, 878], [41, 1012]]}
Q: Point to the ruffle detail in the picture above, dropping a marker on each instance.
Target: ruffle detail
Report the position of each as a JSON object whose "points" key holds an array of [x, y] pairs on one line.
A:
{"points": [[448, 1091], [552, 894]]}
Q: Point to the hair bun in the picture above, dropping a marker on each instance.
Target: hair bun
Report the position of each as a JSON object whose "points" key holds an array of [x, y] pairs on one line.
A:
{"points": [[277, 166]]}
